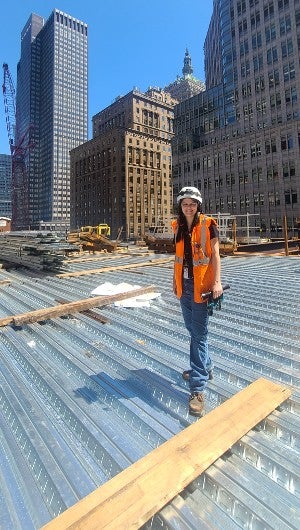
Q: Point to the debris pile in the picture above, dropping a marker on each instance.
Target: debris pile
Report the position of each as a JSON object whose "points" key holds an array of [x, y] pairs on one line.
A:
{"points": [[92, 242]]}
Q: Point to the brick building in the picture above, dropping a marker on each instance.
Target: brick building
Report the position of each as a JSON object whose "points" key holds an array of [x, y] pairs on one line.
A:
{"points": [[122, 176]]}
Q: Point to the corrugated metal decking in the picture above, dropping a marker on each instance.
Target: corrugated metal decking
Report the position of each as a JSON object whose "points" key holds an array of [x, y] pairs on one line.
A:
{"points": [[81, 400]]}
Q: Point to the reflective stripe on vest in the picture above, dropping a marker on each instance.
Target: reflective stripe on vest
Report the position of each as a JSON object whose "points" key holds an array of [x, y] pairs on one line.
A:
{"points": [[205, 260]]}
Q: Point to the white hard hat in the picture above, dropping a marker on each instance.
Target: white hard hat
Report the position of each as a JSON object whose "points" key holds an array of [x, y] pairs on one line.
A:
{"points": [[189, 192]]}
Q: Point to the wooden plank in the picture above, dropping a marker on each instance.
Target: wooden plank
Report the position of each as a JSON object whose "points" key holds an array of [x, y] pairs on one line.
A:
{"points": [[133, 496], [72, 307], [159, 261], [87, 312]]}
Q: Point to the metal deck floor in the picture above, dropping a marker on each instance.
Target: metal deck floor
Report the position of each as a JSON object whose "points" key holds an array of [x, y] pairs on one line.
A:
{"points": [[81, 400]]}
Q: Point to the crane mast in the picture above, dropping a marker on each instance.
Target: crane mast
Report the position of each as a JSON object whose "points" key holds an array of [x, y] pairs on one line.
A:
{"points": [[19, 149], [9, 95]]}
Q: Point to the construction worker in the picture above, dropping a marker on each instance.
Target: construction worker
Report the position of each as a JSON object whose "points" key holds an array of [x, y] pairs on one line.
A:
{"points": [[197, 270]]}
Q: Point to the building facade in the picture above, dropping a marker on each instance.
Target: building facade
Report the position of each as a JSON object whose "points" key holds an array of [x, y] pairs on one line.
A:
{"points": [[5, 186], [239, 140], [122, 176], [51, 115]]}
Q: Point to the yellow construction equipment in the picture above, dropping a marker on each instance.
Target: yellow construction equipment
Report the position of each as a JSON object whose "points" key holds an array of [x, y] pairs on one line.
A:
{"points": [[101, 229]]}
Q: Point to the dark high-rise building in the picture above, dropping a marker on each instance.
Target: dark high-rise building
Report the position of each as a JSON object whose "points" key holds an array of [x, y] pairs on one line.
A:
{"points": [[51, 115], [5, 186], [238, 141]]}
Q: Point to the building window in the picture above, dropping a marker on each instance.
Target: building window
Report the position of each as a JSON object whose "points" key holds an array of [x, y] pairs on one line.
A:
{"points": [[255, 150], [270, 33], [256, 41], [287, 142], [287, 48], [268, 10], [285, 25], [259, 83], [248, 111], [289, 71], [291, 95], [241, 7], [245, 69], [244, 48], [273, 78], [290, 197], [243, 27], [257, 62], [272, 55], [271, 198], [283, 4], [255, 20]]}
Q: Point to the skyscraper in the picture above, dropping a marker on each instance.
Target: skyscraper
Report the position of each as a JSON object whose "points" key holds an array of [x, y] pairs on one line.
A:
{"points": [[5, 185], [51, 115], [239, 140]]}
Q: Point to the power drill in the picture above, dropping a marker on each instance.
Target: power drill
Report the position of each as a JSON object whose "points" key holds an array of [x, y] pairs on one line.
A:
{"points": [[214, 303]]}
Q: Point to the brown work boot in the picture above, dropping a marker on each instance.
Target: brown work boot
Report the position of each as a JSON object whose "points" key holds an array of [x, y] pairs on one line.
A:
{"points": [[196, 404], [186, 375]]}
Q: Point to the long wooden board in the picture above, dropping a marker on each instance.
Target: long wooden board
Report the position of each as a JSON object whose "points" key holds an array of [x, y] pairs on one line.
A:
{"points": [[158, 261], [133, 496], [72, 307]]}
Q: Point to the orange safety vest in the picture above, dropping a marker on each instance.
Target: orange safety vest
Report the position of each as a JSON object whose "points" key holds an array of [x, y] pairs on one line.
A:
{"points": [[201, 253]]}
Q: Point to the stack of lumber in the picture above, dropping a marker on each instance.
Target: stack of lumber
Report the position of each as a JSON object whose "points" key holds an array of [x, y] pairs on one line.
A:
{"points": [[161, 243], [35, 250]]}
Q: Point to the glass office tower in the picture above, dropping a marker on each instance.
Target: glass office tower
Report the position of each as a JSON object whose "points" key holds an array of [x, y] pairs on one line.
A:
{"points": [[51, 115], [239, 141]]}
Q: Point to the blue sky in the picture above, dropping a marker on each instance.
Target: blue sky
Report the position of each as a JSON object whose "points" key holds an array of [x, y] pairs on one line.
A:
{"points": [[131, 43]]}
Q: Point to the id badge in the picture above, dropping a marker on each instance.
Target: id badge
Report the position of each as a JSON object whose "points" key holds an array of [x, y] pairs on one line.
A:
{"points": [[186, 273]]}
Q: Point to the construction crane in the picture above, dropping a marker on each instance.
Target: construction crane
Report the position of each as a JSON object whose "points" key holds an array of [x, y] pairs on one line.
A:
{"points": [[19, 150]]}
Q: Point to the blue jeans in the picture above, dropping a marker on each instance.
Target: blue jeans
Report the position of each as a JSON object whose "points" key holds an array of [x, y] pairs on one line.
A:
{"points": [[195, 317]]}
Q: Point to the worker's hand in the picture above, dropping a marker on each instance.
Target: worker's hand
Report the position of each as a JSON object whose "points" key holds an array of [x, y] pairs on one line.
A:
{"points": [[217, 290]]}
